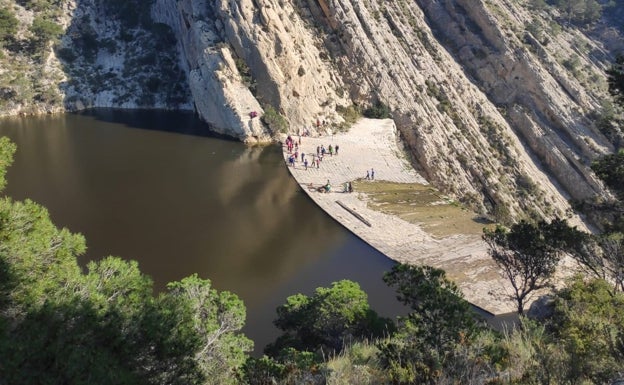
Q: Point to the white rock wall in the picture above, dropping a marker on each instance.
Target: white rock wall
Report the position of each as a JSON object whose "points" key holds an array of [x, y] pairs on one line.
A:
{"points": [[285, 58], [480, 108]]}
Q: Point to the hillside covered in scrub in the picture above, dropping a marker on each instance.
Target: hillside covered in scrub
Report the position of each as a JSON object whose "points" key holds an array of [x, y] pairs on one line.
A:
{"points": [[502, 104]]}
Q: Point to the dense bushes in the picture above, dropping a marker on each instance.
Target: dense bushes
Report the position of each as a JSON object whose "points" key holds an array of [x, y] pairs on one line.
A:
{"points": [[610, 169], [44, 30], [8, 25], [274, 120], [327, 320], [131, 13], [615, 76], [377, 111], [580, 12], [59, 325]]}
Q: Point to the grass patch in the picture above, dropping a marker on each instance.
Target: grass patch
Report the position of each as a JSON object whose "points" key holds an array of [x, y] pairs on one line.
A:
{"points": [[422, 205]]}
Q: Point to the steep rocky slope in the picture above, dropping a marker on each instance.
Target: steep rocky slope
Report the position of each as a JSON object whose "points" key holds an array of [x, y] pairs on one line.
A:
{"points": [[493, 115], [492, 99], [490, 115]]}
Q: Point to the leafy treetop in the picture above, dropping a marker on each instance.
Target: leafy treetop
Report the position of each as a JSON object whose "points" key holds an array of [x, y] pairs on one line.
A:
{"points": [[59, 325], [328, 319]]}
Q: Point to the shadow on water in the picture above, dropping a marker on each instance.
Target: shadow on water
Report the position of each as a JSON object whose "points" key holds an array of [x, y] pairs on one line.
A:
{"points": [[179, 122], [184, 204], [192, 203]]}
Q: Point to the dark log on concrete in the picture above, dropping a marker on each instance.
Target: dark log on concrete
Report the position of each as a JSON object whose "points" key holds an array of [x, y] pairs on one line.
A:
{"points": [[358, 216]]}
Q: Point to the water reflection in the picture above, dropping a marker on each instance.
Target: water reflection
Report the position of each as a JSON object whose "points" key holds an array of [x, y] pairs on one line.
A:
{"points": [[137, 187]]}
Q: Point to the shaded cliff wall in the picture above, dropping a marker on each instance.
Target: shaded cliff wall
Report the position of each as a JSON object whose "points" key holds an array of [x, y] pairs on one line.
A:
{"points": [[118, 58], [219, 95]]}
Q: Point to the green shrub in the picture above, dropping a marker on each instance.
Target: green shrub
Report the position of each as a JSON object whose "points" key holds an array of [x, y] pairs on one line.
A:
{"points": [[538, 5], [89, 44], [66, 54], [358, 364], [580, 12], [44, 30], [163, 33], [610, 169], [265, 370], [131, 13], [327, 320], [273, 119], [350, 115], [501, 213], [378, 111], [246, 77], [8, 24], [39, 5]]}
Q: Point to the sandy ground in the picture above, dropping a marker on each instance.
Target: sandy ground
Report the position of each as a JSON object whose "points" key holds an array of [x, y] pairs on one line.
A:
{"points": [[373, 144]]}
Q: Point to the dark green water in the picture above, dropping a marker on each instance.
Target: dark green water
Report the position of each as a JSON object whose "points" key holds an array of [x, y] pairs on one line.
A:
{"points": [[154, 187]]}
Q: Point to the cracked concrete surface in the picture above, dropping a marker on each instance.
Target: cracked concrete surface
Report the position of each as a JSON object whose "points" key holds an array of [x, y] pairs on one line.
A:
{"points": [[373, 144]]}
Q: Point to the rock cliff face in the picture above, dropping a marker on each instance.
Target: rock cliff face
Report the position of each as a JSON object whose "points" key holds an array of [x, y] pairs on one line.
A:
{"points": [[268, 39], [217, 89], [488, 111], [492, 100], [492, 113]]}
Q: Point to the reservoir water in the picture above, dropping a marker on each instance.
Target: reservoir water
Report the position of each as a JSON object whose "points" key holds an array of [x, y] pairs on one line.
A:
{"points": [[153, 186]]}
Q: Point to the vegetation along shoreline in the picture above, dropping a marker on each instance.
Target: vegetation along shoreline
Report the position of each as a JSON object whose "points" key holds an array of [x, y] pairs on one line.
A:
{"points": [[512, 110]]}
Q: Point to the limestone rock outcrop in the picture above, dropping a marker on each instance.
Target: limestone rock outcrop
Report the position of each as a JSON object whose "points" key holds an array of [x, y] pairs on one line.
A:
{"points": [[220, 98], [220, 39], [491, 114], [489, 117], [287, 61]]}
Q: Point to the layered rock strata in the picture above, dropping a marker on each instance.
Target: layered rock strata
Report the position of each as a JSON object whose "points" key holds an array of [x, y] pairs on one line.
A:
{"points": [[491, 115]]}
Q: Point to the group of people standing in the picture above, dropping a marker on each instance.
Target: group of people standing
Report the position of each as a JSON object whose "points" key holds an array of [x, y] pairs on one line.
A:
{"points": [[292, 144], [331, 150], [293, 147]]}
